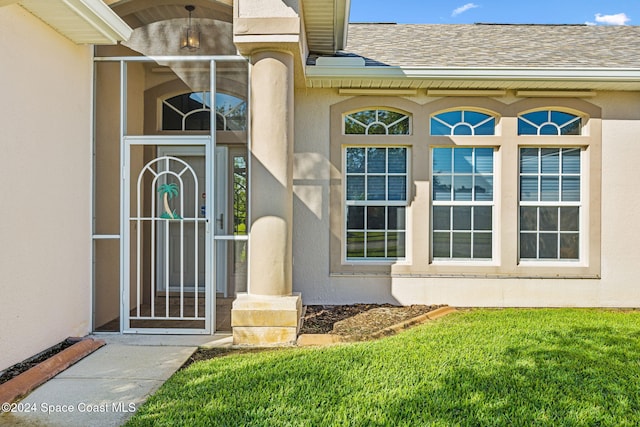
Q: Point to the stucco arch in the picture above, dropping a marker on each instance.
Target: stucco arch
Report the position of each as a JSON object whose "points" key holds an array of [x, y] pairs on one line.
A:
{"points": [[138, 13]]}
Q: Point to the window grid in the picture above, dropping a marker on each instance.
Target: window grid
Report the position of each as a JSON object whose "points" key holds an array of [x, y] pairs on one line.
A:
{"points": [[484, 124], [549, 122], [375, 226], [556, 234], [472, 242], [191, 111], [376, 122], [372, 242], [469, 234]]}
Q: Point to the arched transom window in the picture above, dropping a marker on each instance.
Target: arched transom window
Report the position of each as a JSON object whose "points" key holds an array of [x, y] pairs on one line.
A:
{"points": [[377, 122], [192, 111], [549, 122], [462, 122]]}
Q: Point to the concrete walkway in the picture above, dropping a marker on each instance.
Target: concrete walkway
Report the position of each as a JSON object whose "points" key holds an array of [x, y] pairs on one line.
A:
{"points": [[106, 387]]}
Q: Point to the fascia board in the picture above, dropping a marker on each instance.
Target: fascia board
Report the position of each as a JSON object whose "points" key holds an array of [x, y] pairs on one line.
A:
{"points": [[102, 18], [341, 16], [463, 73]]}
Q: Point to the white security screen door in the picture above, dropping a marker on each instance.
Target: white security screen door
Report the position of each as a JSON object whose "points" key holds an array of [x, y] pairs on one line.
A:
{"points": [[195, 157], [168, 238]]}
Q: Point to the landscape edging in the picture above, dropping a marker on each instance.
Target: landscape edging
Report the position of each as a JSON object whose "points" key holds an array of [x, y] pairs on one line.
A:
{"points": [[23, 384]]}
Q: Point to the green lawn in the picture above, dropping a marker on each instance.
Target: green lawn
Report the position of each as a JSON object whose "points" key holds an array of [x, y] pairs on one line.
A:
{"points": [[482, 367]]}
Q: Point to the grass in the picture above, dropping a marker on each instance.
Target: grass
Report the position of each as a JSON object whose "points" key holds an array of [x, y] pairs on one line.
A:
{"points": [[512, 367]]}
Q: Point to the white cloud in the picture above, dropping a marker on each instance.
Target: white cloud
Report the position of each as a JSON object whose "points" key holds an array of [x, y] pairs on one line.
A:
{"points": [[617, 19], [463, 9]]}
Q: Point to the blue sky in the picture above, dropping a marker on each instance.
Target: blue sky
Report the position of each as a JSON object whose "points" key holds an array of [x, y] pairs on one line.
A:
{"points": [[596, 12]]}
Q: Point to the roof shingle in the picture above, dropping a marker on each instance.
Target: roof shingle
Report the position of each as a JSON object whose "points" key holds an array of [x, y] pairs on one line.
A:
{"points": [[494, 45]]}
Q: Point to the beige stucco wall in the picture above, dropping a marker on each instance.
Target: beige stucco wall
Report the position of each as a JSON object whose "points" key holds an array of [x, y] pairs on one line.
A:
{"points": [[45, 168], [267, 8], [311, 206], [609, 278]]}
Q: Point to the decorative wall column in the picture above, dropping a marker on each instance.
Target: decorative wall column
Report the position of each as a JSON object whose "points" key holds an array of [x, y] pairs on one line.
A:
{"points": [[269, 313], [272, 166]]}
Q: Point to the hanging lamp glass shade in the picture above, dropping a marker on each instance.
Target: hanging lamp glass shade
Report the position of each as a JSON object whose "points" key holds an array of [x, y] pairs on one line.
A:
{"points": [[190, 35]]}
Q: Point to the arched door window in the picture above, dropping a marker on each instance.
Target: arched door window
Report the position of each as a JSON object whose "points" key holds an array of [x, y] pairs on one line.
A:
{"points": [[192, 112]]}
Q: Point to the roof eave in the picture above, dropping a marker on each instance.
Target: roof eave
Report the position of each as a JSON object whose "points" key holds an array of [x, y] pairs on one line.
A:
{"points": [[580, 76], [326, 23], [82, 21]]}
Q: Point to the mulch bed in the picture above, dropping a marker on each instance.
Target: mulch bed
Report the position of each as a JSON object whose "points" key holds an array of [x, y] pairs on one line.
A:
{"points": [[358, 320], [25, 365]]}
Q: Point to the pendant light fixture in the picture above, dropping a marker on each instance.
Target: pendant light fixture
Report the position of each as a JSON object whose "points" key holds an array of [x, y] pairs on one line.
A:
{"points": [[190, 35]]}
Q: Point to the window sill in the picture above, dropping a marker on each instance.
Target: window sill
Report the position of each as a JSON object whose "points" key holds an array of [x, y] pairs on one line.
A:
{"points": [[552, 264], [493, 276], [464, 263]]}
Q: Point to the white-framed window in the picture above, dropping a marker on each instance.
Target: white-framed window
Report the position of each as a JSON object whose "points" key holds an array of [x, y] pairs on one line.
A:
{"points": [[377, 122], [376, 199], [192, 112], [549, 122], [550, 203], [462, 122], [462, 203]]}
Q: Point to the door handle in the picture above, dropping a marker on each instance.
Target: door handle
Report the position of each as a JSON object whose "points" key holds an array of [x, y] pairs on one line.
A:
{"points": [[220, 220]]}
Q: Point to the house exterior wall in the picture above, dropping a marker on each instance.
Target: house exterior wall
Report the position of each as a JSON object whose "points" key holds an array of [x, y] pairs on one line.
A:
{"points": [[45, 257], [605, 275]]}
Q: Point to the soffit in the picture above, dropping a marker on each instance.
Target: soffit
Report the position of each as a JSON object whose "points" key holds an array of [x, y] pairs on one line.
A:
{"points": [[475, 79], [82, 21], [325, 24]]}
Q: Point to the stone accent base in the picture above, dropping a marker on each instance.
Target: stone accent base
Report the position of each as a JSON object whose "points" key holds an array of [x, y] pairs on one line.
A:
{"points": [[319, 339], [266, 320]]}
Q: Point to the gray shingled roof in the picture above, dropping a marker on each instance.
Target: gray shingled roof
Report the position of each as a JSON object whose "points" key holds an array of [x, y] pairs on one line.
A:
{"points": [[494, 45]]}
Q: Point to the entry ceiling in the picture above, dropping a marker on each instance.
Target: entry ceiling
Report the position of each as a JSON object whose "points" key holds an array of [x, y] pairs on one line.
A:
{"points": [[325, 20], [138, 13]]}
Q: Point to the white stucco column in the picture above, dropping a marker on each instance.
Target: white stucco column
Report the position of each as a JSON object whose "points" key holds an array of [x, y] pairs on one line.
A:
{"points": [[271, 173], [269, 313]]}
